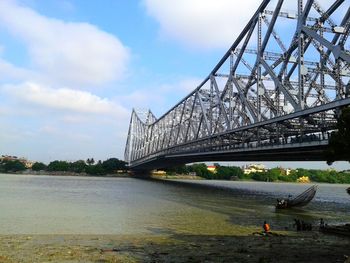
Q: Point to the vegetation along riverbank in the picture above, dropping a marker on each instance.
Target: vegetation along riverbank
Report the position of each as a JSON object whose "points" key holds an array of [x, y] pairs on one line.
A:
{"points": [[109, 167], [267, 175], [116, 167]]}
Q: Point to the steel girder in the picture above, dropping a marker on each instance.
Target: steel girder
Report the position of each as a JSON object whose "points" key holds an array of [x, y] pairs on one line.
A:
{"points": [[269, 89]]}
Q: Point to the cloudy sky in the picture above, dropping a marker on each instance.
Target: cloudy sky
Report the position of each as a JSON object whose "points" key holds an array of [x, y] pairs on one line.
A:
{"points": [[72, 70]]}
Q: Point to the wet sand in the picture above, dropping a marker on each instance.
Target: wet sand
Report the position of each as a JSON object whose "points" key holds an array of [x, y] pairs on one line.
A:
{"points": [[283, 247]]}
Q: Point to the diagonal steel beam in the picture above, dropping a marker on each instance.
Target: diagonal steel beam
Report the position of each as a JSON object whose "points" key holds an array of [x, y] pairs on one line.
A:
{"points": [[337, 50], [278, 83], [204, 112], [244, 100], [222, 107]]}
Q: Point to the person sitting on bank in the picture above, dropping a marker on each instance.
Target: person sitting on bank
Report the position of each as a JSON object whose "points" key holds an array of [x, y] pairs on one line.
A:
{"points": [[266, 227]]}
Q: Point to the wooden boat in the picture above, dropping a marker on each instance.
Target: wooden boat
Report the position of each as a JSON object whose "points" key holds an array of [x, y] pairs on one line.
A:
{"points": [[301, 200]]}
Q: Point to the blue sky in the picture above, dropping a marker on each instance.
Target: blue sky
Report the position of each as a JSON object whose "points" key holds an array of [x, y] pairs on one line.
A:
{"points": [[72, 70]]}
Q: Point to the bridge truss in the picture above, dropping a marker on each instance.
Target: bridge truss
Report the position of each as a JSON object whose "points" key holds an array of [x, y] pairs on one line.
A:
{"points": [[273, 96]]}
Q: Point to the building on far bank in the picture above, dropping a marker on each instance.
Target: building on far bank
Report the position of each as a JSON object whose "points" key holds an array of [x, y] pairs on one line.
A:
{"points": [[254, 168], [211, 168], [159, 172], [284, 171], [288, 171], [8, 158], [28, 164]]}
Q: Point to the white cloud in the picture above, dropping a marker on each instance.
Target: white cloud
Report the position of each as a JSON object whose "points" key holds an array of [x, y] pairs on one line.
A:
{"points": [[159, 93], [210, 23], [44, 112], [74, 119], [203, 24], [71, 53], [64, 99], [160, 97], [59, 132], [9, 71]]}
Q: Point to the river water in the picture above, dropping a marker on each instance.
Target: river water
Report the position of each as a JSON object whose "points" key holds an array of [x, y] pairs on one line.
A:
{"points": [[99, 205]]}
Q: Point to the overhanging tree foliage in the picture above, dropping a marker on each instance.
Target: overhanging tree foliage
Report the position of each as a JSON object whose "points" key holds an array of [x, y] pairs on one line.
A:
{"points": [[339, 143]]}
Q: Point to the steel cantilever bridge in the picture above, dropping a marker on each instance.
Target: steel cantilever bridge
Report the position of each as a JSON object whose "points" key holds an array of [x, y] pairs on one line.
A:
{"points": [[271, 97]]}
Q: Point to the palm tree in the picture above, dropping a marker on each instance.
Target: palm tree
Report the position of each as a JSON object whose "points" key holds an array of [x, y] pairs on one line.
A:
{"points": [[90, 161]]}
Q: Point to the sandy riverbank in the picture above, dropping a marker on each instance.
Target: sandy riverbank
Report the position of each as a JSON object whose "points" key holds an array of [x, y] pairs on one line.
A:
{"points": [[286, 247]]}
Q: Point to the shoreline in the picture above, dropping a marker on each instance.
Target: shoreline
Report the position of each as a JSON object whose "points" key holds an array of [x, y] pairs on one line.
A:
{"points": [[190, 177], [156, 177], [289, 247]]}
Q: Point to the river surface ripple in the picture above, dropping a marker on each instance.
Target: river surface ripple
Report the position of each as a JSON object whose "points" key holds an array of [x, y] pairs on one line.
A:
{"points": [[99, 205]]}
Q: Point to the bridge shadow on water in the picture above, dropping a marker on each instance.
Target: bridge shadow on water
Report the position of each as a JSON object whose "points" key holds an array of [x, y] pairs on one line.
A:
{"points": [[248, 207]]}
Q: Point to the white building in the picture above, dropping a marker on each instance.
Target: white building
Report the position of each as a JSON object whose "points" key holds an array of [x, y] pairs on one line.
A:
{"points": [[254, 168]]}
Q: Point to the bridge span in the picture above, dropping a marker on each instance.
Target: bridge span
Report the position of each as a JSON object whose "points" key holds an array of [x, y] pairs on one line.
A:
{"points": [[274, 96]]}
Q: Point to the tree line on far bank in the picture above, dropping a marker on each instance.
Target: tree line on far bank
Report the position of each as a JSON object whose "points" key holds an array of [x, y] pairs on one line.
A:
{"points": [[112, 165], [270, 175], [201, 170], [89, 166]]}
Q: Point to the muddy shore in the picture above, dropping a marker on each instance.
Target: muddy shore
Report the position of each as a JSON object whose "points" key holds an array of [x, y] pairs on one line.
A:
{"points": [[282, 247]]}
